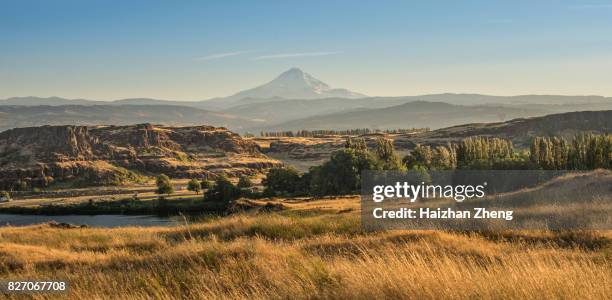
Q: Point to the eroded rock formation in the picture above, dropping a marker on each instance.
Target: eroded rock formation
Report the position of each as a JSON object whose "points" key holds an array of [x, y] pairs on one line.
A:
{"points": [[93, 155]]}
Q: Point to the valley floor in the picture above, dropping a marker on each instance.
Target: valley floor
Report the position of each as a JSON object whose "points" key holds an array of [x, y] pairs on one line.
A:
{"points": [[312, 249]]}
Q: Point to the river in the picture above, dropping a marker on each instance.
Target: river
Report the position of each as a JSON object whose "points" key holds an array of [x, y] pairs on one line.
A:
{"points": [[89, 220]]}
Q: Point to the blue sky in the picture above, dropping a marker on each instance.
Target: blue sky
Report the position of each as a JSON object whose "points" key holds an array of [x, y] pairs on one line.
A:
{"points": [[193, 50]]}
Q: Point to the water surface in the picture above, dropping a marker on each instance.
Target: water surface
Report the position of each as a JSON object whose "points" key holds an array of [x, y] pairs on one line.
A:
{"points": [[89, 220]]}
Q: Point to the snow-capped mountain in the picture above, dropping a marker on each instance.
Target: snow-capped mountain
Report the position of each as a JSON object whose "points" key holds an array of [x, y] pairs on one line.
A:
{"points": [[296, 84], [291, 84]]}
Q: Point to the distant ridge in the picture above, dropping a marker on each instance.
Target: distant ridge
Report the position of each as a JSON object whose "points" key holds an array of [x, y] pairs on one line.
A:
{"points": [[235, 100], [415, 114], [28, 116]]}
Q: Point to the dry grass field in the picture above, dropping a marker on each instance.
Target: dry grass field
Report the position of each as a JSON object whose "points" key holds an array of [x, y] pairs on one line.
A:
{"points": [[314, 249]]}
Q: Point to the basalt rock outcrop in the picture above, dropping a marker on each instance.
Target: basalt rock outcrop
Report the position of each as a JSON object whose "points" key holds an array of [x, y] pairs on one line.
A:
{"points": [[98, 155]]}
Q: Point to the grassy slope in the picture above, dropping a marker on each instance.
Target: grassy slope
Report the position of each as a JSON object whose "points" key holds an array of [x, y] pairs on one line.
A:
{"points": [[313, 250]]}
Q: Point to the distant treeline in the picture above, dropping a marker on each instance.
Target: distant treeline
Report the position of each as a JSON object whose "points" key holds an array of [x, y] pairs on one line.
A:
{"points": [[318, 133]]}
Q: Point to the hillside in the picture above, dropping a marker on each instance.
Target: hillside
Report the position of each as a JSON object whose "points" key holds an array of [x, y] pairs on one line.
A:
{"points": [[417, 114], [242, 98], [523, 129], [293, 101], [305, 152], [40, 156], [26, 116], [283, 110]]}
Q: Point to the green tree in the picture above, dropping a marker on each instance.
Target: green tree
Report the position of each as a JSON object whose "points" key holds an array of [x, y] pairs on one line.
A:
{"points": [[282, 181], [194, 185], [534, 153], [419, 156], [222, 191], [164, 187], [244, 186], [205, 184], [337, 176], [441, 159], [244, 182], [385, 152], [20, 185], [342, 173], [357, 144]]}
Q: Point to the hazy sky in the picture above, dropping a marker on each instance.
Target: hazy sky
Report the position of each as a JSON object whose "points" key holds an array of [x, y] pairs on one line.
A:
{"points": [[193, 50]]}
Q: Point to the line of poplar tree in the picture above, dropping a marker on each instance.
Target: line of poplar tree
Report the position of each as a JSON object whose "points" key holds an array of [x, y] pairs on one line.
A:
{"points": [[583, 152]]}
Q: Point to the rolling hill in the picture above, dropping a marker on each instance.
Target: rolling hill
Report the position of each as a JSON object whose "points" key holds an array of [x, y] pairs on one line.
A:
{"points": [[521, 130], [295, 100], [412, 114], [242, 100]]}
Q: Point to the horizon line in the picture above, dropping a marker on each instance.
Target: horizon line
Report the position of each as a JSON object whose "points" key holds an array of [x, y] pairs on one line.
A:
{"points": [[282, 98]]}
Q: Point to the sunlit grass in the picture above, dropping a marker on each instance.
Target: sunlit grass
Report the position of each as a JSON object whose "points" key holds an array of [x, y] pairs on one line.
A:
{"points": [[316, 255]]}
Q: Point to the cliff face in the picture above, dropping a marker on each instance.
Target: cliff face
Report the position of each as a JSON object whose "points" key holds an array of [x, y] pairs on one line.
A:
{"points": [[50, 143], [37, 156]]}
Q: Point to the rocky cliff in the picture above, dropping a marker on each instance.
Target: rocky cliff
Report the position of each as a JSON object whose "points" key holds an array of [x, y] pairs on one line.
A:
{"points": [[39, 156]]}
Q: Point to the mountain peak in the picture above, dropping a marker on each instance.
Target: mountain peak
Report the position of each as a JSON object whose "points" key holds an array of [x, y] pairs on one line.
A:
{"points": [[295, 74], [295, 79], [292, 72], [295, 84]]}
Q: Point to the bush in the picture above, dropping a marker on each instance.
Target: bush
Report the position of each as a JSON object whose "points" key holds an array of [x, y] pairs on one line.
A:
{"points": [[194, 186], [21, 185], [223, 191], [5, 195], [163, 185], [341, 175], [282, 181], [244, 182], [245, 186], [205, 184]]}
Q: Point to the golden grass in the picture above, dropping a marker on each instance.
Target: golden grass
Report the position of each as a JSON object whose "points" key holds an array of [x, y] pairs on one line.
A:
{"points": [[307, 252]]}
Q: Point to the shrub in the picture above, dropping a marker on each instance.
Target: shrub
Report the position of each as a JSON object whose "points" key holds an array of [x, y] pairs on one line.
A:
{"points": [[194, 186], [5, 195], [244, 182], [205, 184], [20, 185], [223, 191], [163, 185]]}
